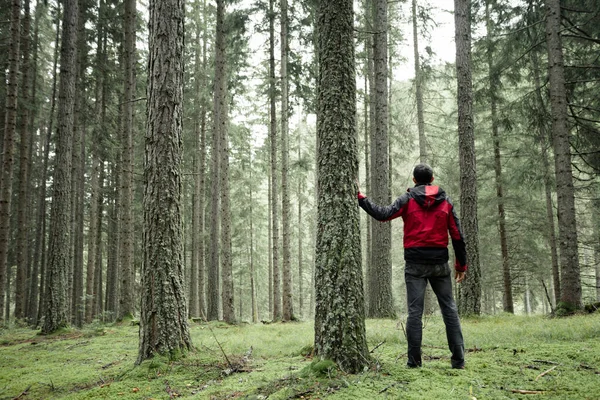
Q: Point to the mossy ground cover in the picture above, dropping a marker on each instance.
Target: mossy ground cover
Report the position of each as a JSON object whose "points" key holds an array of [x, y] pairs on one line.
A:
{"points": [[551, 358]]}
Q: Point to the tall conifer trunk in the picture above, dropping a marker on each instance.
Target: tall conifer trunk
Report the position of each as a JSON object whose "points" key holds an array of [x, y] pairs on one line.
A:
{"points": [[287, 299], [469, 299], [494, 87], [10, 127], [567, 224], [380, 270], [163, 318], [277, 305], [127, 294], [339, 320], [24, 163], [55, 294]]}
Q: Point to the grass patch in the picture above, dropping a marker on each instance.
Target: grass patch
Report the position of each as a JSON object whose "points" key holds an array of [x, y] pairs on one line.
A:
{"points": [[559, 357]]}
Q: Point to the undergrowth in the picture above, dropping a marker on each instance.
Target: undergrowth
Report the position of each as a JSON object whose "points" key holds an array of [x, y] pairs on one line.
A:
{"points": [[507, 356]]}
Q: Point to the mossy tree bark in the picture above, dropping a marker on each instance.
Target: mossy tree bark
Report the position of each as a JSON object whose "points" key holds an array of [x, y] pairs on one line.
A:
{"points": [[339, 320], [570, 294], [469, 299], [56, 294], [163, 321]]}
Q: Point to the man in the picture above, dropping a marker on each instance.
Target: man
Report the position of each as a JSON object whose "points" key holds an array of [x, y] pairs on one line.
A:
{"points": [[428, 216]]}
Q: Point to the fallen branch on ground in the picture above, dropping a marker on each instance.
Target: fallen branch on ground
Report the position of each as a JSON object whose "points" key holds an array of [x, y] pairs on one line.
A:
{"points": [[378, 346], [521, 391], [545, 372], [23, 393]]}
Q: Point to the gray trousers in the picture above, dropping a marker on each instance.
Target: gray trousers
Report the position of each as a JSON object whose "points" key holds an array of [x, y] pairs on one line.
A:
{"points": [[439, 277]]}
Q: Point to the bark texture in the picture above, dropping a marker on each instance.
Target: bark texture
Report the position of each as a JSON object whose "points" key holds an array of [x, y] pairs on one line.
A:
{"points": [[494, 87], [570, 294], [287, 299], [339, 319], [126, 298], [423, 156], [277, 301], [381, 304], [469, 300], [163, 320], [10, 127], [56, 294]]}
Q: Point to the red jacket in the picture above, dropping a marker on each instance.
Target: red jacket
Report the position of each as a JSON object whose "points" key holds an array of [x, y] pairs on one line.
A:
{"points": [[428, 216]]}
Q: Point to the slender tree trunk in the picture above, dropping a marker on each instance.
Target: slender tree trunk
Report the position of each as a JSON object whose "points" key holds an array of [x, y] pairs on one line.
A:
{"points": [[227, 289], [40, 252], [287, 299], [339, 320], [202, 173], [543, 137], [97, 295], [197, 236], [23, 209], [163, 319], [56, 301], [494, 88], [469, 299], [10, 127], [300, 234], [218, 112], [127, 294], [567, 224], [423, 156], [270, 240], [92, 234], [381, 303], [33, 118], [77, 176], [251, 254], [277, 300], [112, 265]]}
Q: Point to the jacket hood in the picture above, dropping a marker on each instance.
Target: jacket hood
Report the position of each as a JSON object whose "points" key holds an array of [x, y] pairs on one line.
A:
{"points": [[427, 195]]}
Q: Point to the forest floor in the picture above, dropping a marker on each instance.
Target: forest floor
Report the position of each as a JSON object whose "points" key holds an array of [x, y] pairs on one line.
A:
{"points": [[508, 357]]}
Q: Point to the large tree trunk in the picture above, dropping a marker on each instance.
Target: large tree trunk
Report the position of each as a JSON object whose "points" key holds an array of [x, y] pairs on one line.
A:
{"points": [[494, 88], [567, 224], [41, 249], [381, 304], [56, 295], [127, 294], [23, 205], [10, 127], [469, 299], [277, 305], [163, 319], [339, 320], [287, 299]]}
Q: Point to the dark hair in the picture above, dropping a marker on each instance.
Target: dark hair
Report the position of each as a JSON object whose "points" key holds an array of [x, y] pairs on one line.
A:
{"points": [[423, 173]]}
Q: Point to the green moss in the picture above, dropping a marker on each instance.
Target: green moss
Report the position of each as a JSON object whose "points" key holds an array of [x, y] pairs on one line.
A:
{"points": [[503, 352]]}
